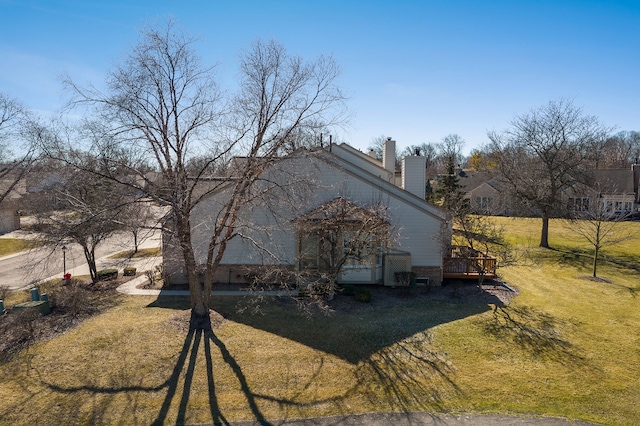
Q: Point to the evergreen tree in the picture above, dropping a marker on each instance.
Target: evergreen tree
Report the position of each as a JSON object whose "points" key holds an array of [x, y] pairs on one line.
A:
{"points": [[449, 193]]}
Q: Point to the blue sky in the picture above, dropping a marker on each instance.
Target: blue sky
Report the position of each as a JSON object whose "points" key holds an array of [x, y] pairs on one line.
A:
{"points": [[414, 70]]}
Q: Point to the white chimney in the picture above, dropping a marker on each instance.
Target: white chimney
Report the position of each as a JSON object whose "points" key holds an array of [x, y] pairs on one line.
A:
{"points": [[414, 178], [389, 156]]}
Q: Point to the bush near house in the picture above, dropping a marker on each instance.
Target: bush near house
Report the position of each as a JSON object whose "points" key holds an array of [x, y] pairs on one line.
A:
{"points": [[129, 271], [107, 274], [363, 295], [349, 290]]}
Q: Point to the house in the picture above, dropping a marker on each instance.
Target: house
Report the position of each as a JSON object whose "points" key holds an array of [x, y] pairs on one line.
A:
{"points": [[485, 192], [615, 190], [274, 230], [12, 188], [9, 217]]}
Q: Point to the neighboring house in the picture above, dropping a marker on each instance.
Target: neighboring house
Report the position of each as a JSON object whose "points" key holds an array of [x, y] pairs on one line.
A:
{"points": [[43, 190], [270, 231], [486, 194], [615, 191], [9, 216]]}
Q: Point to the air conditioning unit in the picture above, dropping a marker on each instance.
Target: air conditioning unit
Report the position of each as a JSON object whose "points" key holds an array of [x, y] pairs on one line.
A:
{"points": [[396, 262]]}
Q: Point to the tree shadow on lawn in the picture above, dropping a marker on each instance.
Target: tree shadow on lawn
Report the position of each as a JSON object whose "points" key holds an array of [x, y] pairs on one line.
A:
{"points": [[410, 376], [583, 258], [537, 333], [389, 344], [208, 337], [395, 364], [178, 383]]}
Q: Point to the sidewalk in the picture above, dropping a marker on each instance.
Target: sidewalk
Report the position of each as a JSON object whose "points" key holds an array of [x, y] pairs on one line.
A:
{"points": [[130, 287]]}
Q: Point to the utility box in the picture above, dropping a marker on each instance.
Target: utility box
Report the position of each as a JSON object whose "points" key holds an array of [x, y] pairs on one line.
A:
{"points": [[40, 305], [396, 262]]}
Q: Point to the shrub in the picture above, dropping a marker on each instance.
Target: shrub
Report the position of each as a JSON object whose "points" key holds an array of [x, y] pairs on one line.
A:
{"points": [[107, 274], [73, 299], [348, 290], [322, 288], [154, 275], [129, 271], [363, 295]]}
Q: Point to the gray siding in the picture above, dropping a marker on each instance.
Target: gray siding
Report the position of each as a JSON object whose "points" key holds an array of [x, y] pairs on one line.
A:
{"points": [[315, 182]]}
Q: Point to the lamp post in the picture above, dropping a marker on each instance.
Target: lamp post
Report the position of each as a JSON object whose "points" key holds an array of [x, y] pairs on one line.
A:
{"points": [[64, 261]]}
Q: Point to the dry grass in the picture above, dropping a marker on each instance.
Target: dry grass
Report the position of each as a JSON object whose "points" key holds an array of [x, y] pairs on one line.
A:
{"points": [[71, 303], [565, 346], [143, 252], [14, 245]]}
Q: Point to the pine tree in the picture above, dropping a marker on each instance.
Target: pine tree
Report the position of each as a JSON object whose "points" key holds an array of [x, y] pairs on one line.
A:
{"points": [[449, 193]]}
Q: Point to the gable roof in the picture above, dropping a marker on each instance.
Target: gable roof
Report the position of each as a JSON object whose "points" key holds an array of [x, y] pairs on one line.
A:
{"points": [[342, 209], [614, 181], [343, 158], [471, 180], [354, 163]]}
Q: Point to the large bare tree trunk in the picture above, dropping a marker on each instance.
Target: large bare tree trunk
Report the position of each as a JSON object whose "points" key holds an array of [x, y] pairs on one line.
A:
{"points": [[544, 234], [200, 318]]}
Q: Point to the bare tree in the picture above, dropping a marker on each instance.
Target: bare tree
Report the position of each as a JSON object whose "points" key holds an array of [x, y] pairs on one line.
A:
{"points": [[617, 151], [377, 145], [138, 218], [543, 152], [484, 239], [164, 103], [17, 131], [95, 209], [599, 226], [340, 234], [450, 147]]}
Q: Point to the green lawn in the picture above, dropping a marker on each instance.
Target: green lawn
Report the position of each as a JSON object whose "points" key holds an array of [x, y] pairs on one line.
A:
{"points": [[566, 346]]}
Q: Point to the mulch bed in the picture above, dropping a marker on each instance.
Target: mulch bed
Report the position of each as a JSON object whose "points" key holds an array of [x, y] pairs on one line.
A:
{"points": [[493, 292], [71, 304], [464, 291]]}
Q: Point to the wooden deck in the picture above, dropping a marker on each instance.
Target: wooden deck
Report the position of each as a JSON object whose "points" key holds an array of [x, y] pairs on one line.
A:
{"points": [[463, 263]]}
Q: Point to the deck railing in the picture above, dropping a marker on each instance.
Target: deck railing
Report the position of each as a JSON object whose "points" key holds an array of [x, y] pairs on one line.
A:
{"points": [[466, 263]]}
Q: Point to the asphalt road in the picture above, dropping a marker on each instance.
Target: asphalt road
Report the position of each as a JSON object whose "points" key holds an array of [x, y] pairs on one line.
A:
{"points": [[21, 270], [419, 419]]}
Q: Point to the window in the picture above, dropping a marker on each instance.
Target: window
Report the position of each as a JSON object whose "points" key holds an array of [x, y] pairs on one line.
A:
{"points": [[340, 234], [483, 203], [357, 249], [324, 250], [578, 204], [617, 207], [309, 252], [608, 206]]}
